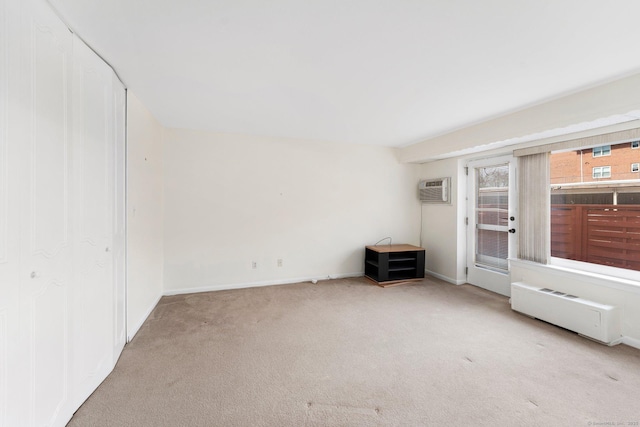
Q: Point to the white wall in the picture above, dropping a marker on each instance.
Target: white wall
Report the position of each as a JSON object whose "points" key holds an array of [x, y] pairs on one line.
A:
{"points": [[144, 213], [442, 237], [231, 200]]}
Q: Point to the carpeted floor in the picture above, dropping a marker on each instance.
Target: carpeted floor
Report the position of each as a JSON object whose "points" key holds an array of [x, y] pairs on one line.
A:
{"points": [[347, 353]]}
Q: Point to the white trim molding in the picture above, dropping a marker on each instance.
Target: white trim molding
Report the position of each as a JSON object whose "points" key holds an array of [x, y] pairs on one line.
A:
{"points": [[243, 285]]}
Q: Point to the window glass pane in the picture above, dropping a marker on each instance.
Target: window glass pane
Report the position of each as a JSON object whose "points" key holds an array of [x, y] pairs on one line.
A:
{"points": [[593, 219], [604, 150], [597, 172], [635, 144], [493, 248], [492, 216]]}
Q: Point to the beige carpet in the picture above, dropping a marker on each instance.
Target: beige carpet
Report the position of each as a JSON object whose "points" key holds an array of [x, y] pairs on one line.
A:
{"points": [[347, 353]]}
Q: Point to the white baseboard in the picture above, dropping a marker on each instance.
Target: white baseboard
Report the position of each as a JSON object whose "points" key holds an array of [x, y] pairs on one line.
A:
{"points": [[223, 287], [631, 342], [445, 278], [132, 333]]}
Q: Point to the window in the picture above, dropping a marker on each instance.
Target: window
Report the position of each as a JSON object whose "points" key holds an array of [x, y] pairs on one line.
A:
{"points": [[602, 172], [587, 211], [635, 144], [604, 150]]}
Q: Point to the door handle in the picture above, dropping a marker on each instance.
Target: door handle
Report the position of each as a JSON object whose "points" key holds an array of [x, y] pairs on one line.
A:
{"points": [[512, 230]]}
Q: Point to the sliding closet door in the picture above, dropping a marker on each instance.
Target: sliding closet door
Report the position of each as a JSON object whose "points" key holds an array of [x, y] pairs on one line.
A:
{"points": [[61, 241], [47, 245], [93, 159], [45, 280]]}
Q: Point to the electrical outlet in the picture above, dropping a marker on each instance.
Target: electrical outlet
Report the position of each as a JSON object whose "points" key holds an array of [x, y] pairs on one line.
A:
{"points": [[254, 265], [279, 262]]}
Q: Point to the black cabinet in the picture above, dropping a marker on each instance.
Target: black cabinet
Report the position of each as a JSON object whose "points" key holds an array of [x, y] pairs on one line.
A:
{"points": [[390, 265]]}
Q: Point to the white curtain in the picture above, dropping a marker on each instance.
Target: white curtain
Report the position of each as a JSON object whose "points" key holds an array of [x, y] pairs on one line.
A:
{"points": [[534, 195]]}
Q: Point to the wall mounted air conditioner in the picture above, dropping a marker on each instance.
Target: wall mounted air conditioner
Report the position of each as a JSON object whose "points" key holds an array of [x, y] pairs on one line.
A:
{"points": [[435, 190]]}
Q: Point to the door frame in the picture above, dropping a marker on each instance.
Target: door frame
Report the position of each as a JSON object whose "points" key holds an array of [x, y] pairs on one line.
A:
{"points": [[486, 278]]}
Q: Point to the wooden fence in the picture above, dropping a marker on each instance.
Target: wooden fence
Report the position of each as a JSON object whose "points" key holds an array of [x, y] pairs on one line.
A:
{"points": [[599, 234]]}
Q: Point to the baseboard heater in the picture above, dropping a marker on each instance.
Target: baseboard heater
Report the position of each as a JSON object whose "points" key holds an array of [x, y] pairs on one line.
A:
{"points": [[599, 322]]}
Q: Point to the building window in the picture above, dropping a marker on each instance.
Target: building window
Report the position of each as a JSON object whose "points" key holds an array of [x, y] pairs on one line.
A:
{"points": [[604, 150], [635, 167], [635, 144], [602, 172]]}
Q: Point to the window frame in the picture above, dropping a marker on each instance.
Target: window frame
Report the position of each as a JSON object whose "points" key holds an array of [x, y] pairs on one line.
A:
{"points": [[595, 269], [637, 167], [635, 144], [602, 152], [602, 170]]}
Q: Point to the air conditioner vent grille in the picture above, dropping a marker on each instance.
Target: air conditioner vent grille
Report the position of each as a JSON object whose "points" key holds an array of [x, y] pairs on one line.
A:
{"points": [[434, 190], [558, 293]]}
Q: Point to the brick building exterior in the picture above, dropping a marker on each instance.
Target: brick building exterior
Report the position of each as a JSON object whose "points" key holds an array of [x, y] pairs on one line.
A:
{"points": [[598, 164]]}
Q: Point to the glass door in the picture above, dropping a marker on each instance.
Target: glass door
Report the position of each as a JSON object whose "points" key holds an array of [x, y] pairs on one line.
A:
{"points": [[491, 223]]}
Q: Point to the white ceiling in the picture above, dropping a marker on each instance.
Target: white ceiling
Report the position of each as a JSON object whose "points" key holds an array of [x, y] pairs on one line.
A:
{"points": [[384, 72]]}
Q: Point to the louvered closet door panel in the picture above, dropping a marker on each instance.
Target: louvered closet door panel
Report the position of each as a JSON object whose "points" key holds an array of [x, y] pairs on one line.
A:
{"points": [[94, 185]]}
